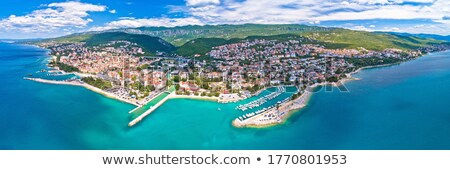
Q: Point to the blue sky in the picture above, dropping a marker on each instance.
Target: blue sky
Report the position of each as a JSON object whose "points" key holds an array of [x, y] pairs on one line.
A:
{"points": [[52, 18]]}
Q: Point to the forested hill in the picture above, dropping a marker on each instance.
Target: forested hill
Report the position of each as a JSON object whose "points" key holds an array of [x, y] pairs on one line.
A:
{"points": [[148, 43], [190, 40]]}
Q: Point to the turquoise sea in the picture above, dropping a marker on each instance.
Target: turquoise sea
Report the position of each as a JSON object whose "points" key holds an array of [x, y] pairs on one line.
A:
{"points": [[403, 106]]}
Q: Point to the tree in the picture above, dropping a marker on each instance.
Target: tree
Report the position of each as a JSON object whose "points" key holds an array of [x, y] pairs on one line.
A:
{"points": [[97, 82], [228, 86], [169, 83], [144, 66], [205, 86], [67, 68], [150, 88], [176, 79], [198, 81], [333, 79]]}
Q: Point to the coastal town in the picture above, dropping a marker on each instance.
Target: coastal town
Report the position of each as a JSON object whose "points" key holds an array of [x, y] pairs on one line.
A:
{"points": [[226, 73]]}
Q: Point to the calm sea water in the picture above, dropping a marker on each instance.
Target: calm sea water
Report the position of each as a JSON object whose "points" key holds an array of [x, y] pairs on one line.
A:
{"points": [[398, 107]]}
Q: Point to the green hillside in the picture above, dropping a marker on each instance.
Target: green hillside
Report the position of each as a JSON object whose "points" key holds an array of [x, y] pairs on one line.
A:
{"points": [[148, 43], [204, 45], [200, 46], [338, 38], [69, 38], [193, 37], [343, 38], [178, 36], [200, 39]]}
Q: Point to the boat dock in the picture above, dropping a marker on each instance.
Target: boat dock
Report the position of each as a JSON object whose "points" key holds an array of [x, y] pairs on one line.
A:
{"points": [[262, 100]]}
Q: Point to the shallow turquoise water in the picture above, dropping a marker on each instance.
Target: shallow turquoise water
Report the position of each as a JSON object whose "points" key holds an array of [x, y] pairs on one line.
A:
{"points": [[397, 107]]}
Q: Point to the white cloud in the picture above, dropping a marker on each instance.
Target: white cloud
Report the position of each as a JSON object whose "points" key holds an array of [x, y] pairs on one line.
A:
{"points": [[393, 29], [427, 28], [153, 22], [298, 11], [200, 12], [345, 3], [314, 22], [202, 2], [295, 11], [64, 15], [112, 11], [384, 2], [360, 28]]}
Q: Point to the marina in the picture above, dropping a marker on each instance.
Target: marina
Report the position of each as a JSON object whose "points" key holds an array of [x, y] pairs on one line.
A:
{"points": [[272, 115], [249, 115], [262, 100]]}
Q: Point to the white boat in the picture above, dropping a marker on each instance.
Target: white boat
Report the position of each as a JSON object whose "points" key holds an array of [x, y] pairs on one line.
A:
{"points": [[218, 108]]}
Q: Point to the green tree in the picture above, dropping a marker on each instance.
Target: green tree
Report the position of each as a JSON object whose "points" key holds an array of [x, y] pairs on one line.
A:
{"points": [[176, 79]]}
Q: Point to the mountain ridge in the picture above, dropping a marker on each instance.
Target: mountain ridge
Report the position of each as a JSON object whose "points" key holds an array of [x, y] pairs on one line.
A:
{"points": [[182, 40]]}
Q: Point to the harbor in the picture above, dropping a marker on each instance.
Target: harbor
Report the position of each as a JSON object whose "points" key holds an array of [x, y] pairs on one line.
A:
{"points": [[272, 115], [277, 112], [262, 100]]}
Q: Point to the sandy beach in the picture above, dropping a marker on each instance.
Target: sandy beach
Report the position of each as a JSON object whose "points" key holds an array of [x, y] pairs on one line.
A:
{"points": [[78, 83]]}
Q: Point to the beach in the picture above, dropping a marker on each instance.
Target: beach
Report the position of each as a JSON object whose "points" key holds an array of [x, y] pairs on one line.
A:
{"points": [[85, 85]]}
